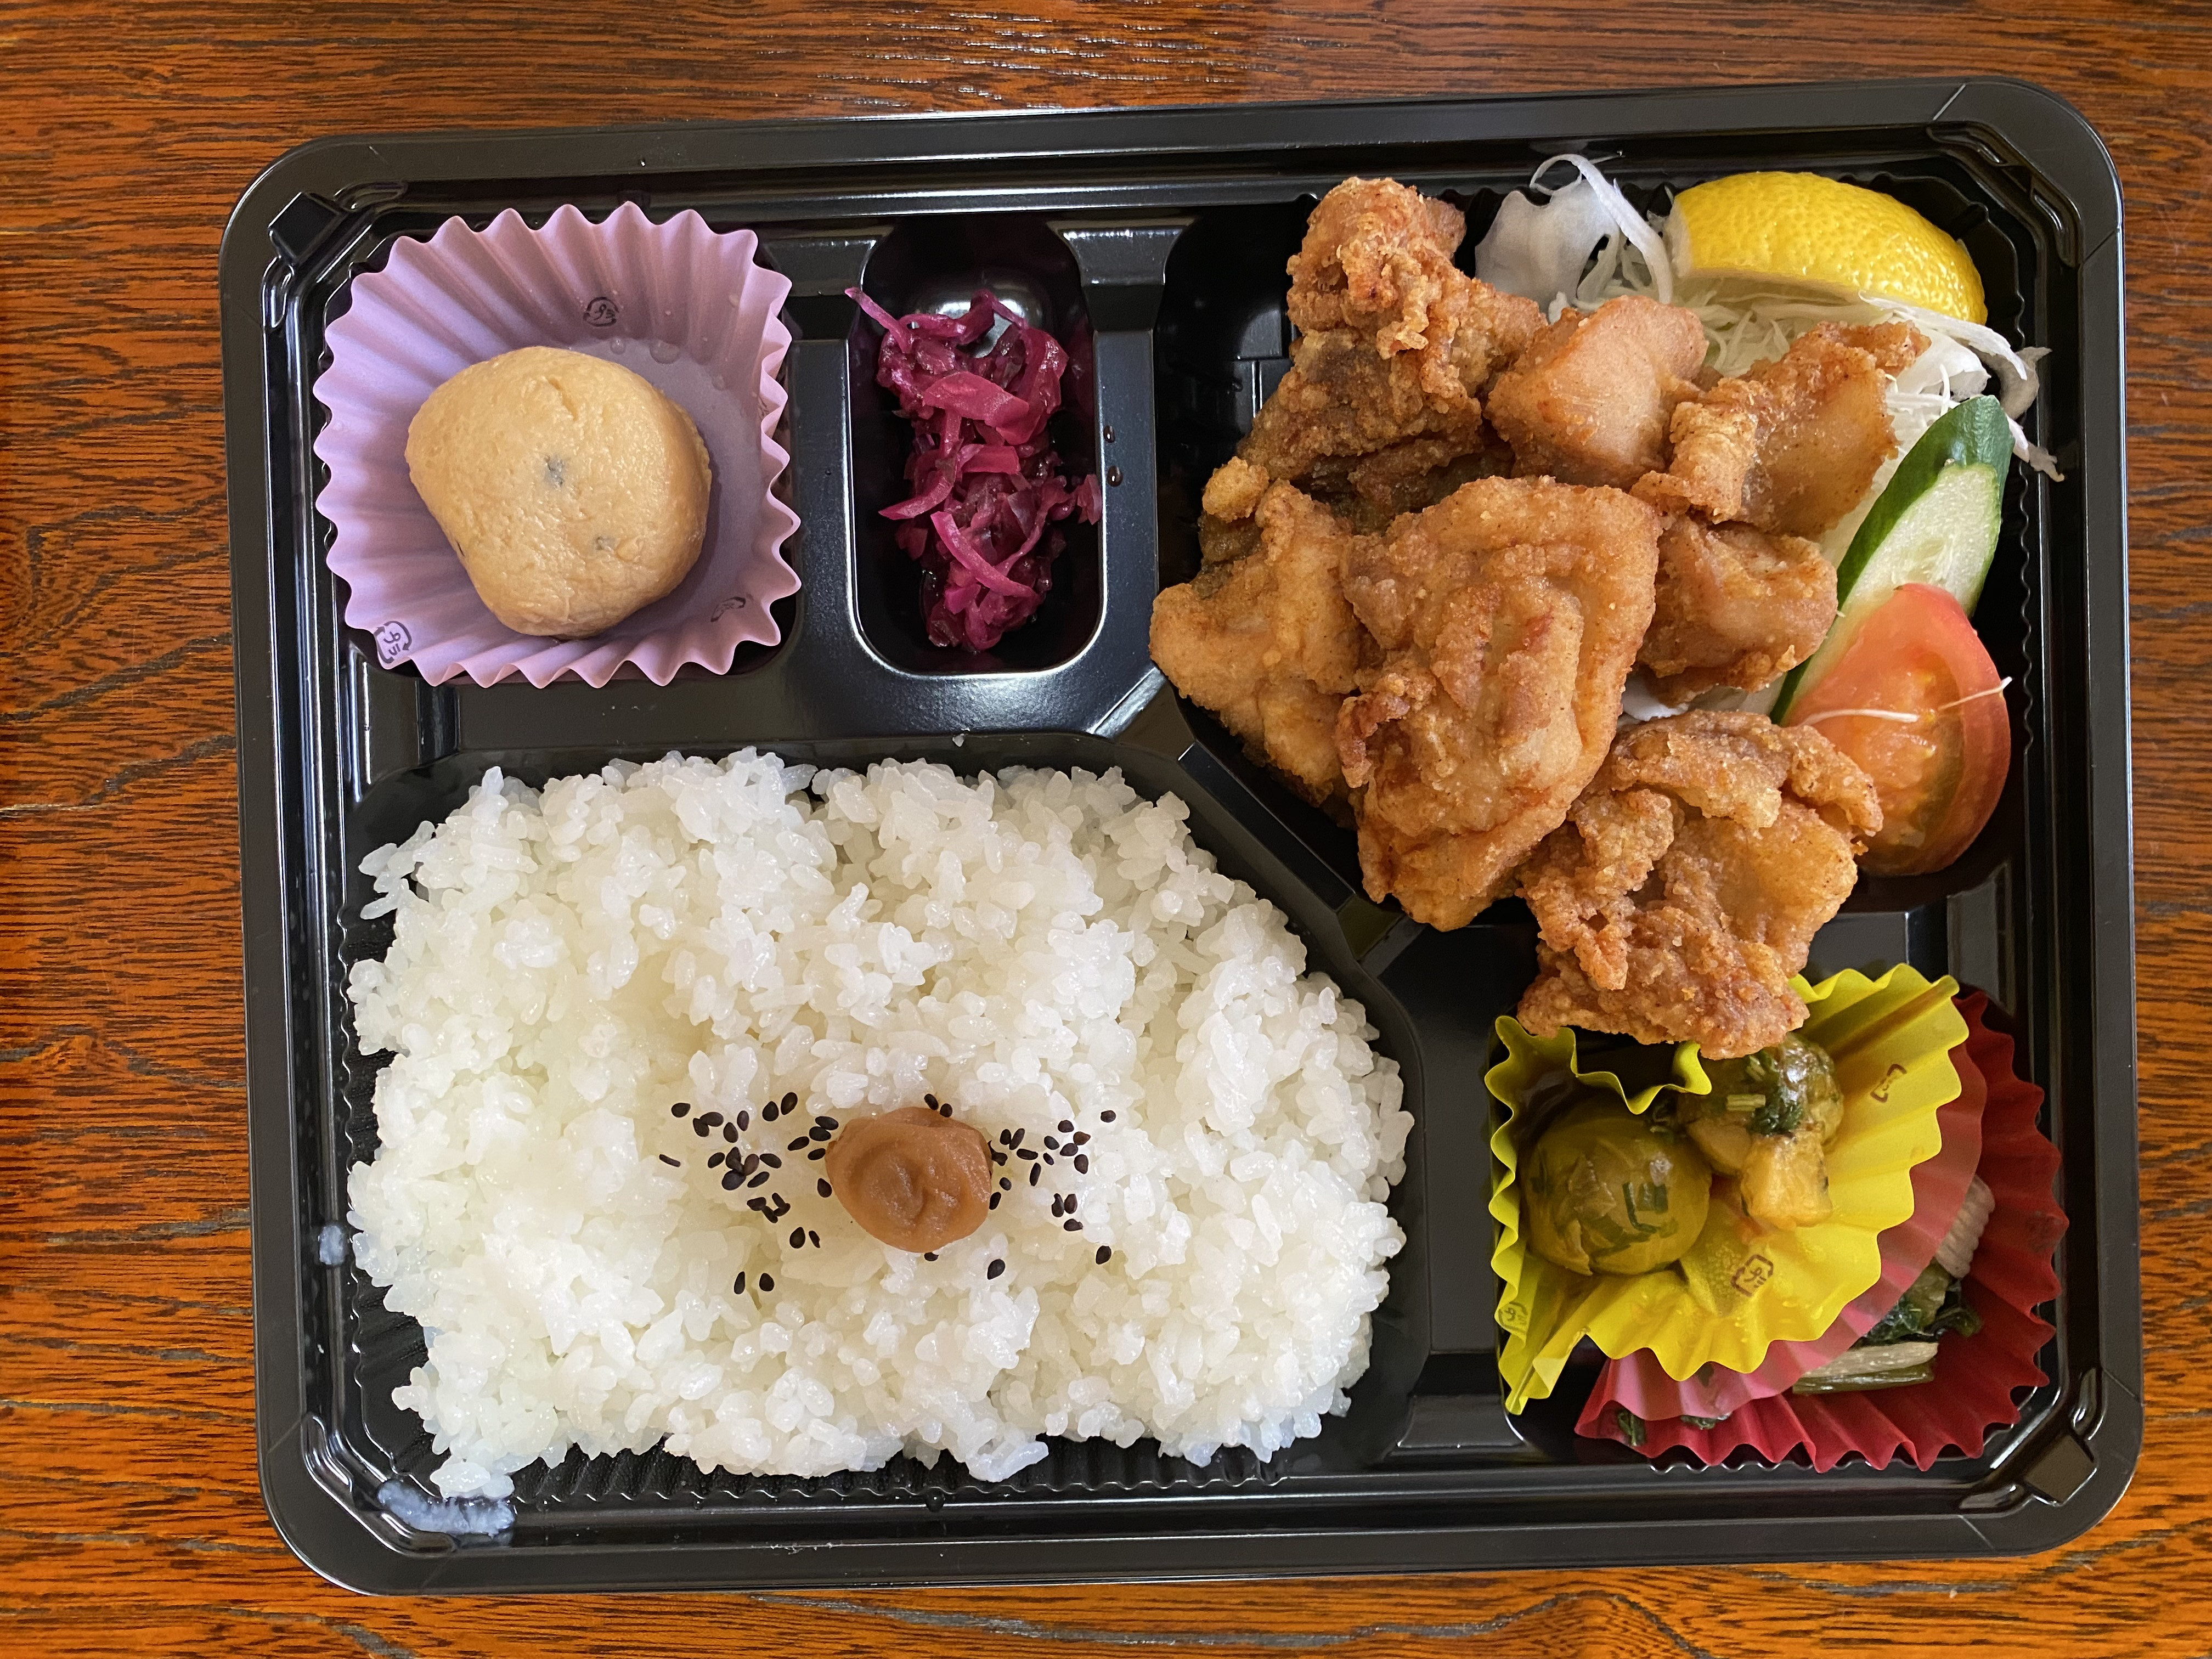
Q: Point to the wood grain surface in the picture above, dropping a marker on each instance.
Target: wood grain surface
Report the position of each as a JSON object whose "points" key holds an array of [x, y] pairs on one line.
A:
{"points": [[130, 1515]]}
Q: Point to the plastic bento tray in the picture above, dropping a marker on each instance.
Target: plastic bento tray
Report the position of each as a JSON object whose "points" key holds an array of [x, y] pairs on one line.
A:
{"points": [[1166, 229]]}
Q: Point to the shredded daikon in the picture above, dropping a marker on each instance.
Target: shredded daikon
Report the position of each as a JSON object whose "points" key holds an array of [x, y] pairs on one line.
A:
{"points": [[1576, 246]]}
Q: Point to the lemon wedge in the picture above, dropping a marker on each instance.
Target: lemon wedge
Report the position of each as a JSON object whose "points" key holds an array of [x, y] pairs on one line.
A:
{"points": [[1798, 227]]}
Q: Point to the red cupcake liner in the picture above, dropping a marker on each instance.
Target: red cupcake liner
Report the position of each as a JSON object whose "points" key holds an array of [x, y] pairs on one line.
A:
{"points": [[1980, 1379]]}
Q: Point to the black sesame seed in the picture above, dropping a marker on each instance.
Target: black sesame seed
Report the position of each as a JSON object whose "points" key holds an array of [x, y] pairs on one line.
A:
{"points": [[798, 1146], [994, 1269], [1105, 1117], [930, 1101], [1070, 1203], [710, 1119], [768, 1113], [752, 1162], [1005, 1138], [998, 1157], [822, 1188], [995, 1200], [1051, 1143], [672, 1162], [715, 1160], [739, 1286], [1005, 1185], [1073, 1225], [1082, 1135], [790, 1100], [1083, 1163], [760, 1204], [744, 1120], [733, 1179], [1049, 1160], [1036, 1169], [767, 1282], [818, 1133], [760, 1179], [944, 1111], [771, 1160], [680, 1108], [929, 1255], [822, 1122], [798, 1238], [818, 1153], [1055, 1203], [730, 1132], [814, 1238], [1105, 1254], [1023, 1151], [700, 1127], [1065, 1127]]}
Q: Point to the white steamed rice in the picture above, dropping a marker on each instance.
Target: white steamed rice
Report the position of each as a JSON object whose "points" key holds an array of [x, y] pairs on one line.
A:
{"points": [[1034, 947]]}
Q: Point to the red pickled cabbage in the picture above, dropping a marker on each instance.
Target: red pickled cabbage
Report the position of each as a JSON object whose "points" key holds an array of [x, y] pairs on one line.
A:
{"points": [[989, 490]]}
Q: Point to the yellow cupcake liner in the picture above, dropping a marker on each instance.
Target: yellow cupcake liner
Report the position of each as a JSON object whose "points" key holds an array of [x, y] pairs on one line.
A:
{"points": [[1741, 1288]]}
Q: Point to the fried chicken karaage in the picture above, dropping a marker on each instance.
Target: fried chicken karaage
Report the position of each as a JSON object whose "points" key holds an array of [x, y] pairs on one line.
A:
{"points": [[1395, 342], [1589, 400], [1507, 615], [1432, 563], [1793, 443], [1685, 886], [1735, 606], [1268, 641]]}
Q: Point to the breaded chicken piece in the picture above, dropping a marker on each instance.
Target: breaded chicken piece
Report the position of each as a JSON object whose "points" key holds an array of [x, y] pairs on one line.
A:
{"points": [[1589, 400], [1396, 342], [1376, 258], [1509, 615], [1793, 443], [1688, 882], [1267, 642], [1367, 492], [1340, 398], [1735, 606]]}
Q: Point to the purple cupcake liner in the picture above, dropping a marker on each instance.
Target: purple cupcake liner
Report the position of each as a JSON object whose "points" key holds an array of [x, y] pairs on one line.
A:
{"points": [[686, 307]]}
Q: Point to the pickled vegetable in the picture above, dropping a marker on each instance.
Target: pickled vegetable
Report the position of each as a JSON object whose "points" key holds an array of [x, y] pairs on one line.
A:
{"points": [[1901, 1348], [1610, 1192]]}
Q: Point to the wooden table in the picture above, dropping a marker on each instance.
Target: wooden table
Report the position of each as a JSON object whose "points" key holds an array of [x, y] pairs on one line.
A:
{"points": [[129, 1516]]}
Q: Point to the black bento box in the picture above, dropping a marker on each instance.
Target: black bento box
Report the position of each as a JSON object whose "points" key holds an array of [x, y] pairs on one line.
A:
{"points": [[1165, 231]]}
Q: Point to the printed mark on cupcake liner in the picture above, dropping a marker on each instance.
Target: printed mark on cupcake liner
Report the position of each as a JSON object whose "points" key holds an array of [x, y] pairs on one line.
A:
{"points": [[600, 312], [1753, 1276], [736, 602], [1513, 1317], [1881, 1090], [392, 643]]}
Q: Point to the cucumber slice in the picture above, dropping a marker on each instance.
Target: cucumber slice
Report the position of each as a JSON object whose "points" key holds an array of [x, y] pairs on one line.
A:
{"points": [[1937, 523]]}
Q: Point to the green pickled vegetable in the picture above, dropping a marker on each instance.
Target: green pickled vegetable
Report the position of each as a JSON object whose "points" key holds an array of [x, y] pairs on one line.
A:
{"points": [[1901, 1348], [1607, 1191], [1934, 1304]]}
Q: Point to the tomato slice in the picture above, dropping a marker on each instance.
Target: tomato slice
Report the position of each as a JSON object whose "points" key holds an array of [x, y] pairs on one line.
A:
{"points": [[1940, 772]]}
